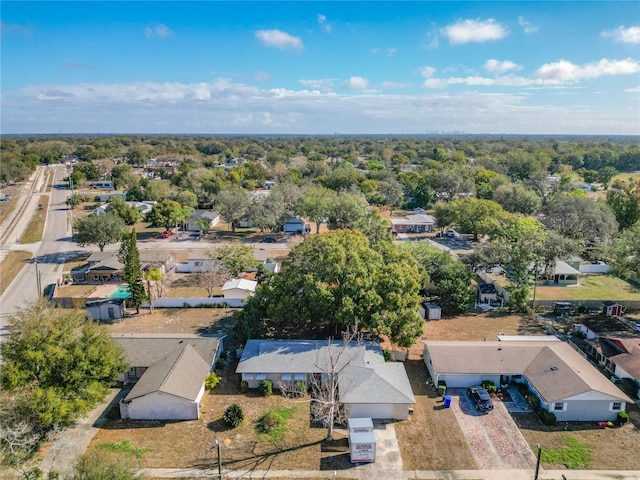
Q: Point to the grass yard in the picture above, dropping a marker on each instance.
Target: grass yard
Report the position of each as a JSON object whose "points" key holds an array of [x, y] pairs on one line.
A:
{"points": [[592, 287], [35, 229], [8, 206], [585, 446], [13, 262], [178, 320]]}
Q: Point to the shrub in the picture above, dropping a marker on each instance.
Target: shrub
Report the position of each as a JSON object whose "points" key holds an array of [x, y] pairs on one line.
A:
{"points": [[274, 423], [244, 386], [548, 418], [300, 388], [387, 355], [489, 386], [623, 417], [233, 415], [266, 387], [212, 380]]}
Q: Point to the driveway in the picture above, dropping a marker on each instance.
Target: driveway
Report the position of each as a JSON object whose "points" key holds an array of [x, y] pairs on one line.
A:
{"points": [[494, 438]]}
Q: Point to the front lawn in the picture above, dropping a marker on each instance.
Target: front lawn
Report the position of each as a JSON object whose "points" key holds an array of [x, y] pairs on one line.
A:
{"points": [[592, 287]]}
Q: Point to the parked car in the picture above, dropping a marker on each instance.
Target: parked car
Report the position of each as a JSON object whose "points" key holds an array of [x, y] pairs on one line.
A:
{"points": [[480, 399], [268, 240], [451, 233], [166, 234]]}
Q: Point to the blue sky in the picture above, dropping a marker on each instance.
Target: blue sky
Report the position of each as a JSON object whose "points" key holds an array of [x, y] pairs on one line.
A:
{"points": [[517, 67]]}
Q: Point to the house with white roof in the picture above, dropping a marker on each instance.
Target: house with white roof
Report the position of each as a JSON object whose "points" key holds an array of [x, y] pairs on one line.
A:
{"points": [[566, 384], [239, 288], [369, 387]]}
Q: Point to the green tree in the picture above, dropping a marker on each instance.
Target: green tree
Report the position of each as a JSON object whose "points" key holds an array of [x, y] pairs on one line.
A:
{"points": [[606, 174], [166, 213], [475, 215], [99, 230], [56, 366], [315, 204], [580, 218], [517, 199], [233, 204], [336, 280], [451, 278], [625, 204], [159, 190], [130, 257], [235, 257], [119, 208], [348, 209], [153, 283], [124, 177], [626, 253]]}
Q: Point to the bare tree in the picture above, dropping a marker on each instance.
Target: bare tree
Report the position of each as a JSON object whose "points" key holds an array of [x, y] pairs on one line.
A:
{"points": [[326, 384], [18, 440], [212, 272]]}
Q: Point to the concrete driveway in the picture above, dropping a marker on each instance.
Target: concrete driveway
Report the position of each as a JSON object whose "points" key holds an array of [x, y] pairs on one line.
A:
{"points": [[494, 438]]}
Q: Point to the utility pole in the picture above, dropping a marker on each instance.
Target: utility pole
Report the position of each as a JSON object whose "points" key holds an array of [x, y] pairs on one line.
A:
{"points": [[219, 460], [538, 462], [38, 280]]}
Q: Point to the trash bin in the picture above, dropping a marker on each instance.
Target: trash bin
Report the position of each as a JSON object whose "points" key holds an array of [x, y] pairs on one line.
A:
{"points": [[447, 401]]}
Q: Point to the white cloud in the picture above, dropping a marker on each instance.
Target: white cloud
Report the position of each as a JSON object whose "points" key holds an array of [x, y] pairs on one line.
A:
{"points": [[322, 21], [356, 83], [279, 39], [526, 26], [261, 76], [633, 90], [389, 52], [160, 31], [14, 28], [623, 35], [497, 66], [565, 71], [466, 31], [394, 85], [221, 106], [322, 85]]}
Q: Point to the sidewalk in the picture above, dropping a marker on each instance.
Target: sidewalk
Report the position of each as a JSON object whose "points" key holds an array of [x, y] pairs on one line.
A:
{"points": [[362, 473]]}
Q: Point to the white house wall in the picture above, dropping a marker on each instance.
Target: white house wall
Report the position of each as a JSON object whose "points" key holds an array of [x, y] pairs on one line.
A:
{"points": [[378, 410], [585, 410], [160, 406], [236, 293]]}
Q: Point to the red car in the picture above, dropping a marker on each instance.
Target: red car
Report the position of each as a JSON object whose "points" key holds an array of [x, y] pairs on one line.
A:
{"points": [[166, 234]]}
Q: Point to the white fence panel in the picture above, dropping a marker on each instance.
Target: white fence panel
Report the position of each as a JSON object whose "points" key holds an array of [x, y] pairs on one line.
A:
{"points": [[177, 302]]}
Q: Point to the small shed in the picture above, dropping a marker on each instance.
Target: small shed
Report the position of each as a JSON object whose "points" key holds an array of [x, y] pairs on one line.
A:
{"points": [[108, 309], [430, 311], [611, 309], [296, 225], [362, 447], [486, 293], [239, 288]]}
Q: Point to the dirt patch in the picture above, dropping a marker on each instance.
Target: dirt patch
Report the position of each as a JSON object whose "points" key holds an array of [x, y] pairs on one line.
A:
{"points": [[431, 439], [11, 265]]}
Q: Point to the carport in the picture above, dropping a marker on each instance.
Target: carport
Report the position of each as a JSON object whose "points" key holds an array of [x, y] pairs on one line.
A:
{"points": [[494, 438]]}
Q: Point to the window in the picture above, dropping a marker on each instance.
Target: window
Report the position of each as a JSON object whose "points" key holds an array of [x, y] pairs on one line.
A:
{"points": [[298, 377], [616, 406], [261, 376], [247, 376], [286, 377], [198, 264], [558, 406]]}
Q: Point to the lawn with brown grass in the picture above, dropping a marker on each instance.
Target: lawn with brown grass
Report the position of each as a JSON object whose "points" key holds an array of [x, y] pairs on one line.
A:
{"points": [[11, 265], [35, 229], [8, 206]]}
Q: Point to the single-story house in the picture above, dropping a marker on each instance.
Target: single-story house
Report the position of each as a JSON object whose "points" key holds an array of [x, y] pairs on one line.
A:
{"points": [[169, 371], [239, 288], [197, 261], [611, 309], [563, 380], [563, 275], [369, 386], [193, 223], [144, 207], [105, 267], [107, 309], [430, 311], [415, 223], [627, 361], [296, 225], [598, 326]]}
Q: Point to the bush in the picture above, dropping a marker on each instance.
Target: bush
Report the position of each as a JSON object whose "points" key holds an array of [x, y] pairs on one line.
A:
{"points": [[489, 386], [233, 416], [623, 417], [387, 355], [548, 418], [244, 386], [266, 387], [212, 380], [301, 388], [274, 423]]}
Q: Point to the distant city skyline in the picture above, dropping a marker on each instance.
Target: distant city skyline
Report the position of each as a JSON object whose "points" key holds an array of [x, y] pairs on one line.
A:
{"points": [[504, 67]]}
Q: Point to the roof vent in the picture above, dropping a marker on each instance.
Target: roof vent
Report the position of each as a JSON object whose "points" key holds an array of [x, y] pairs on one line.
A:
{"points": [[554, 368]]}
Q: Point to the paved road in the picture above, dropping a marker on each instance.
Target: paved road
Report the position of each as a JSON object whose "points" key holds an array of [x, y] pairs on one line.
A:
{"points": [[55, 248]]}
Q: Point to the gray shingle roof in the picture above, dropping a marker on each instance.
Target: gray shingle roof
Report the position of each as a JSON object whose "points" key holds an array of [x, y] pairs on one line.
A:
{"points": [[384, 383], [180, 373], [145, 349]]}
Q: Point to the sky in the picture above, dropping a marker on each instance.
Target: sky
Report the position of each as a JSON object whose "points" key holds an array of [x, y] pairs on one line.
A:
{"points": [[304, 67]]}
